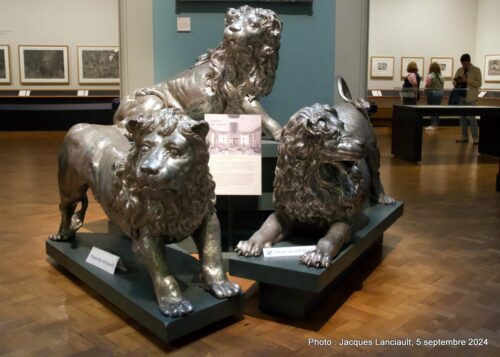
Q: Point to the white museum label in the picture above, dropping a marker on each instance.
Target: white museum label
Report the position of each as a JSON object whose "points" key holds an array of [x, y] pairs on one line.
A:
{"points": [[287, 251], [235, 153], [103, 260]]}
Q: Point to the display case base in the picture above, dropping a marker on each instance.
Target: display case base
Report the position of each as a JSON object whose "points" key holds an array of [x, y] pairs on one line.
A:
{"points": [[289, 288], [132, 290]]}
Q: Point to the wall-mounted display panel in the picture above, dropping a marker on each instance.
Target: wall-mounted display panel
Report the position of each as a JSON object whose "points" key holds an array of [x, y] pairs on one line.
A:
{"points": [[43, 64], [446, 65], [4, 64], [382, 67], [406, 60], [492, 68], [98, 65]]}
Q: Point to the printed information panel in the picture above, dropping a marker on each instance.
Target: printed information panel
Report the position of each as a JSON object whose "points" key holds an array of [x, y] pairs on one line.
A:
{"points": [[235, 153]]}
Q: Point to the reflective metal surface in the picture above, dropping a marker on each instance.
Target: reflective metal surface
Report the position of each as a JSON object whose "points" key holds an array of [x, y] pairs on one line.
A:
{"points": [[227, 79], [155, 185], [328, 165]]}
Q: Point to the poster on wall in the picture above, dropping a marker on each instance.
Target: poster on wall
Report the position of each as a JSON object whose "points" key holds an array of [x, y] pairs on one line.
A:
{"points": [[43, 64], [382, 67], [4, 64], [99, 65], [235, 153], [446, 66], [418, 60], [492, 68]]}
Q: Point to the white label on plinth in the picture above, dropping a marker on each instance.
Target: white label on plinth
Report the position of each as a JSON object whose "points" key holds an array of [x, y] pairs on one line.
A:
{"points": [[103, 260], [287, 251]]}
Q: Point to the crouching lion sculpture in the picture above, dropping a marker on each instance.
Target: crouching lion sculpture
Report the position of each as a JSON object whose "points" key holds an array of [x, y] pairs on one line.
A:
{"points": [[228, 79], [328, 165], [155, 185]]}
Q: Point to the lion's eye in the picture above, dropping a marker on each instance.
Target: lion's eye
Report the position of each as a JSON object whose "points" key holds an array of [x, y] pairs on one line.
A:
{"points": [[322, 123], [144, 147], [174, 152]]}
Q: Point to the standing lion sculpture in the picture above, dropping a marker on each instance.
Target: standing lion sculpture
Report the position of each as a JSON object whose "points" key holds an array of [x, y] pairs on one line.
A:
{"points": [[155, 186], [228, 79], [328, 165]]}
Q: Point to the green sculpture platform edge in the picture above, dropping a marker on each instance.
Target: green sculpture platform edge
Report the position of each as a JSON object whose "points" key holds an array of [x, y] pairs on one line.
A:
{"points": [[132, 291], [287, 272]]}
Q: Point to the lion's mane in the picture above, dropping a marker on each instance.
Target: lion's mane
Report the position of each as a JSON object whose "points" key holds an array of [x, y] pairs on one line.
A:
{"points": [[249, 71], [181, 212], [301, 192]]}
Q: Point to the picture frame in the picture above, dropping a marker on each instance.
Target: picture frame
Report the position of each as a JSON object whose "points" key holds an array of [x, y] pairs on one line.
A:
{"points": [[43, 64], [492, 68], [4, 64], [404, 64], [446, 65], [381, 67], [98, 64]]}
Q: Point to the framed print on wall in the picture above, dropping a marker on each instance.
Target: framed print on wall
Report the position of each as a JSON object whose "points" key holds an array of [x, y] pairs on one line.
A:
{"points": [[418, 60], [43, 64], [99, 65], [4, 64], [492, 68], [382, 67], [446, 65]]}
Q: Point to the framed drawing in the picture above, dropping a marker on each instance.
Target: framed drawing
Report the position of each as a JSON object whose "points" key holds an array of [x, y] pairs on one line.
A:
{"points": [[382, 67], [43, 64], [99, 65], [446, 65], [4, 64], [406, 60], [492, 68]]}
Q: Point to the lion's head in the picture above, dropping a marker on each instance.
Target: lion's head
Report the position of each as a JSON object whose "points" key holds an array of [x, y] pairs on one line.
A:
{"points": [[245, 62], [164, 185], [318, 176]]}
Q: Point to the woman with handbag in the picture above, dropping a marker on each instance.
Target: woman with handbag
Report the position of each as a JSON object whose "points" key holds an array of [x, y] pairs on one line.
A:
{"points": [[434, 90]]}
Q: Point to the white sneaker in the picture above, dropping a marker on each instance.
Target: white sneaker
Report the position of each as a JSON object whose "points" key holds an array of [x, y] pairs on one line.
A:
{"points": [[430, 127]]}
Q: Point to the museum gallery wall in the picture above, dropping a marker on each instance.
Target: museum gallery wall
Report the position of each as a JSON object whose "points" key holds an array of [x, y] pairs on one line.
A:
{"points": [[77, 50], [432, 35]]}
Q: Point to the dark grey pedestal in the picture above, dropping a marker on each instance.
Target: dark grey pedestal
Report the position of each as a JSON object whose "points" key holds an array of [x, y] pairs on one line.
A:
{"points": [[292, 289], [132, 291]]}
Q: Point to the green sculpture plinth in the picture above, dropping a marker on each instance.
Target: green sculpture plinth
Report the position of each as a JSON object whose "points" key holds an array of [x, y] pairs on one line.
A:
{"points": [[292, 289], [132, 290]]}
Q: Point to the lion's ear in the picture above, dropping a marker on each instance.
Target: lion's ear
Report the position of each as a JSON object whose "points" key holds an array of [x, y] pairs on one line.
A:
{"points": [[200, 127], [135, 125]]}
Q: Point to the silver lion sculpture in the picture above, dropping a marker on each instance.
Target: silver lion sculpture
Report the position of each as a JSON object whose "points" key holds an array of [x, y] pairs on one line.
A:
{"points": [[227, 79], [328, 165], [155, 185]]}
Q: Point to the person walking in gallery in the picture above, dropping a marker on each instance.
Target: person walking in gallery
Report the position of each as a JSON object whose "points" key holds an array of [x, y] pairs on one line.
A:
{"points": [[434, 90], [411, 85], [468, 76]]}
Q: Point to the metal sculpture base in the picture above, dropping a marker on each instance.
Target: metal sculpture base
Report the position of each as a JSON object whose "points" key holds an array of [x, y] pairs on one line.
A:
{"points": [[132, 291], [292, 289]]}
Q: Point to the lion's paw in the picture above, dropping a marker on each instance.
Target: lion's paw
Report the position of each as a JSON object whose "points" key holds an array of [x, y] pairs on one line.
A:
{"points": [[62, 236], [249, 248], [386, 200], [224, 289], [175, 309], [316, 258]]}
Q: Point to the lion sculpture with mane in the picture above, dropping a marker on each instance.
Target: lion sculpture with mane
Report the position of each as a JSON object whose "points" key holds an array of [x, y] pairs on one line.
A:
{"points": [[328, 165], [227, 79], [155, 185]]}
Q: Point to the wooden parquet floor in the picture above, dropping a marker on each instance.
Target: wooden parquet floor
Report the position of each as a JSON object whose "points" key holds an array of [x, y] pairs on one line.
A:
{"points": [[437, 275]]}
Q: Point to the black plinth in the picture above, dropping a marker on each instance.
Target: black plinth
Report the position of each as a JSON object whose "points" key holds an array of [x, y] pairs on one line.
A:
{"points": [[289, 288], [407, 127], [132, 291]]}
